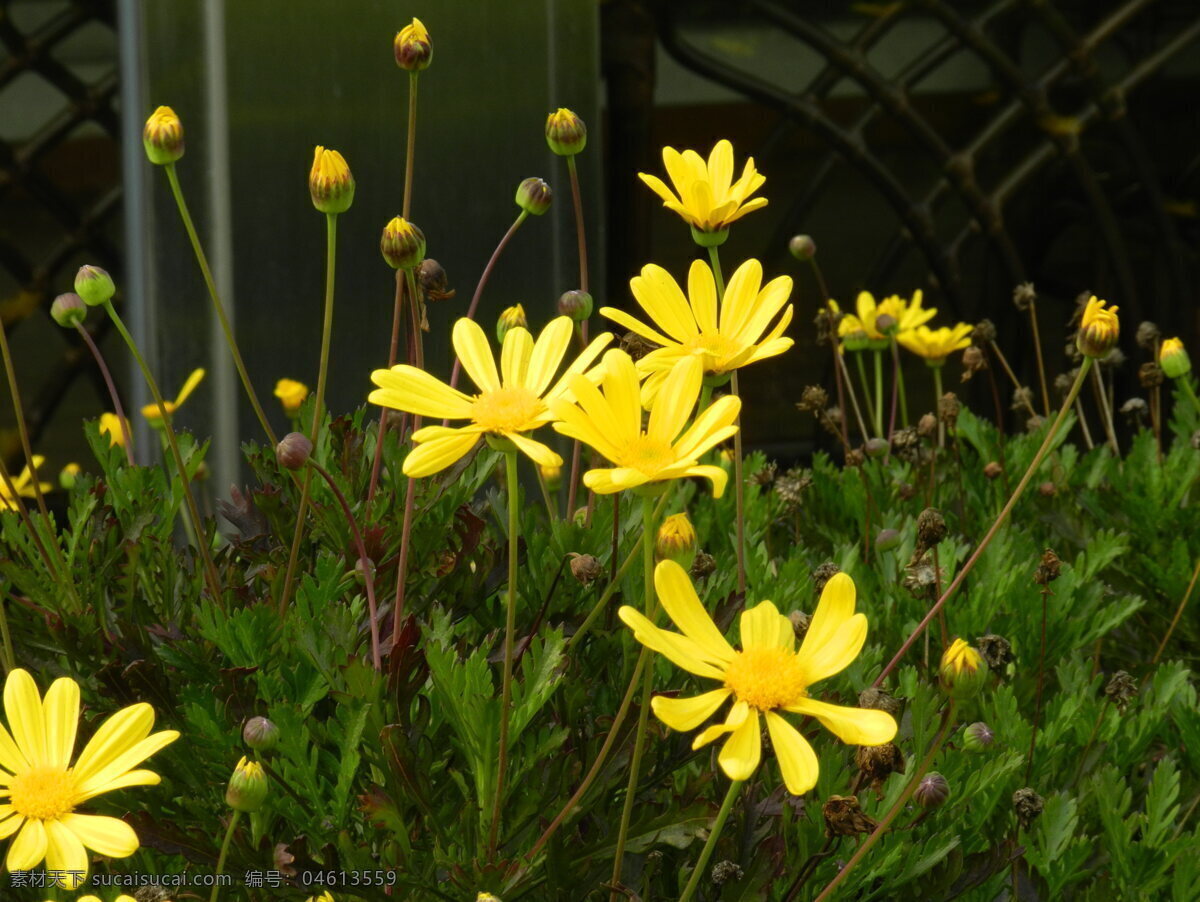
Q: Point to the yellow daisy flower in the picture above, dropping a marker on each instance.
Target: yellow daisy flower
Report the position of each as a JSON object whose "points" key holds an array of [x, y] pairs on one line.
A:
{"points": [[42, 789], [723, 337], [291, 395], [110, 425], [23, 485], [1098, 329], [768, 676], [907, 314], [325, 896], [935, 345], [123, 897], [151, 411], [610, 420], [511, 402], [705, 194]]}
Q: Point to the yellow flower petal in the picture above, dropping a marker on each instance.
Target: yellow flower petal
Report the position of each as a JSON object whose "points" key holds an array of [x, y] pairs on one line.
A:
{"points": [[189, 386], [621, 318], [61, 712], [679, 599], [857, 726], [677, 401], [126, 780], [662, 299], [762, 626], [66, 854], [12, 759], [435, 455], [720, 168], [574, 423], [687, 713], [562, 388], [407, 388], [471, 346], [716, 420], [10, 822], [835, 608], [28, 848], [536, 451], [716, 475], [128, 759], [117, 734], [655, 184], [741, 292], [23, 707], [737, 716], [702, 292], [109, 836], [514, 357], [822, 661], [797, 760], [742, 751], [766, 305], [548, 353], [680, 650]]}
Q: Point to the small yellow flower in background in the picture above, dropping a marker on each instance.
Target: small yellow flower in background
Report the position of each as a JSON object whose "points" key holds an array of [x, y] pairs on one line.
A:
{"points": [[291, 395], [935, 345], [487, 897], [611, 422], [121, 898], [676, 540], [324, 897], [154, 415], [767, 676], [724, 336], [110, 425], [962, 672], [514, 401], [330, 182], [1098, 329], [552, 476], [907, 314], [510, 318], [23, 484], [705, 194], [44, 789], [163, 136], [413, 47], [1173, 358], [68, 474], [565, 133]]}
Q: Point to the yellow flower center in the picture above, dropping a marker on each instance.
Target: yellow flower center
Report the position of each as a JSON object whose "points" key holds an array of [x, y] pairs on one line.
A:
{"points": [[766, 678], [647, 455], [713, 347], [507, 410], [43, 793]]}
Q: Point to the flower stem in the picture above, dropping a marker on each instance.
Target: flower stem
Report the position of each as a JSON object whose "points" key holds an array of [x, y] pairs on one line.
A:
{"points": [[639, 737], [177, 191], [1041, 681], [937, 398], [210, 571], [881, 827], [393, 352], [510, 624], [1186, 382], [318, 407], [866, 389], [580, 234], [411, 145], [483, 280], [739, 494], [216, 890], [22, 426], [900, 383], [1178, 613], [714, 834], [1047, 442], [1012, 377], [879, 393], [1037, 347], [840, 359], [366, 563], [10, 660], [1105, 411], [112, 390]]}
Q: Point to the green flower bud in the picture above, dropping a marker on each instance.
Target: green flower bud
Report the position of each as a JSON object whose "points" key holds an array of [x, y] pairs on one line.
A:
{"points": [[575, 304], [802, 247], [932, 791], [962, 673], [511, 318], [293, 450], [68, 310], [163, 136], [94, 285], [978, 737], [330, 183], [68, 475], [676, 541], [1173, 358], [247, 788], [565, 133], [887, 539], [402, 244], [260, 734], [533, 196]]}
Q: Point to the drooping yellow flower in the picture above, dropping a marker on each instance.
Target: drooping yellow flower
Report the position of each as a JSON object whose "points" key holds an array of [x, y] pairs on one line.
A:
{"points": [[609, 419], [110, 425], [510, 403], [907, 314], [935, 345], [724, 336], [1098, 329], [766, 677], [330, 183], [163, 136], [42, 788], [154, 415], [705, 195], [291, 394], [23, 484], [1173, 358]]}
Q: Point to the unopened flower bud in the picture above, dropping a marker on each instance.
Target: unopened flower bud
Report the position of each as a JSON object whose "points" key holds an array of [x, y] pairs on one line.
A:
{"points": [[68, 475], [802, 247], [932, 791], [163, 136], [585, 568], [1099, 329], [992, 469], [1047, 489], [260, 734], [94, 285], [293, 450], [886, 323], [330, 183], [978, 737], [68, 310], [247, 788], [510, 318], [402, 244], [1173, 358], [487, 897], [931, 528], [676, 541], [876, 447], [565, 133], [533, 196], [362, 567], [887, 539], [413, 47], [962, 672], [551, 475], [576, 304]]}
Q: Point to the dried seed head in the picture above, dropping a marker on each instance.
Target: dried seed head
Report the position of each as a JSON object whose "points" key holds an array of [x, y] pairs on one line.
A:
{"points": [[1034, 423], [813, 399], [1148, 335], [948, 408], [973, 361], [726, 872], [826, 321], [635, 346], [1049, 568], [931, 529], [984, 332], [932, 791], [1113, 360], [790, 487], [880, 700], [1022, 398], [800, 624], [855, 458], [1064, 381], [585, 568], [906, 491], [1121, 690], [997, 651], [992, 469], [433, 280], [1028, 805], [920, 577], [1024, 296], [766, 475], [1150, 375], [1135, 410], [906, 443], [927, 425], [844, 817], [704, 565], [823, 574], [878, 762]]}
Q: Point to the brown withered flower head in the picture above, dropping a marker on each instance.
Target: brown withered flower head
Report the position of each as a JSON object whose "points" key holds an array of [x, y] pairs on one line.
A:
{"points": [[1049, 568], [844, 817], [1121, 690], [1150, 375], [1028, 805], [973, 361], [1148, 335], [984, 332], [878, 762], [997, 651], [823, 574], [1024, 296]]}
